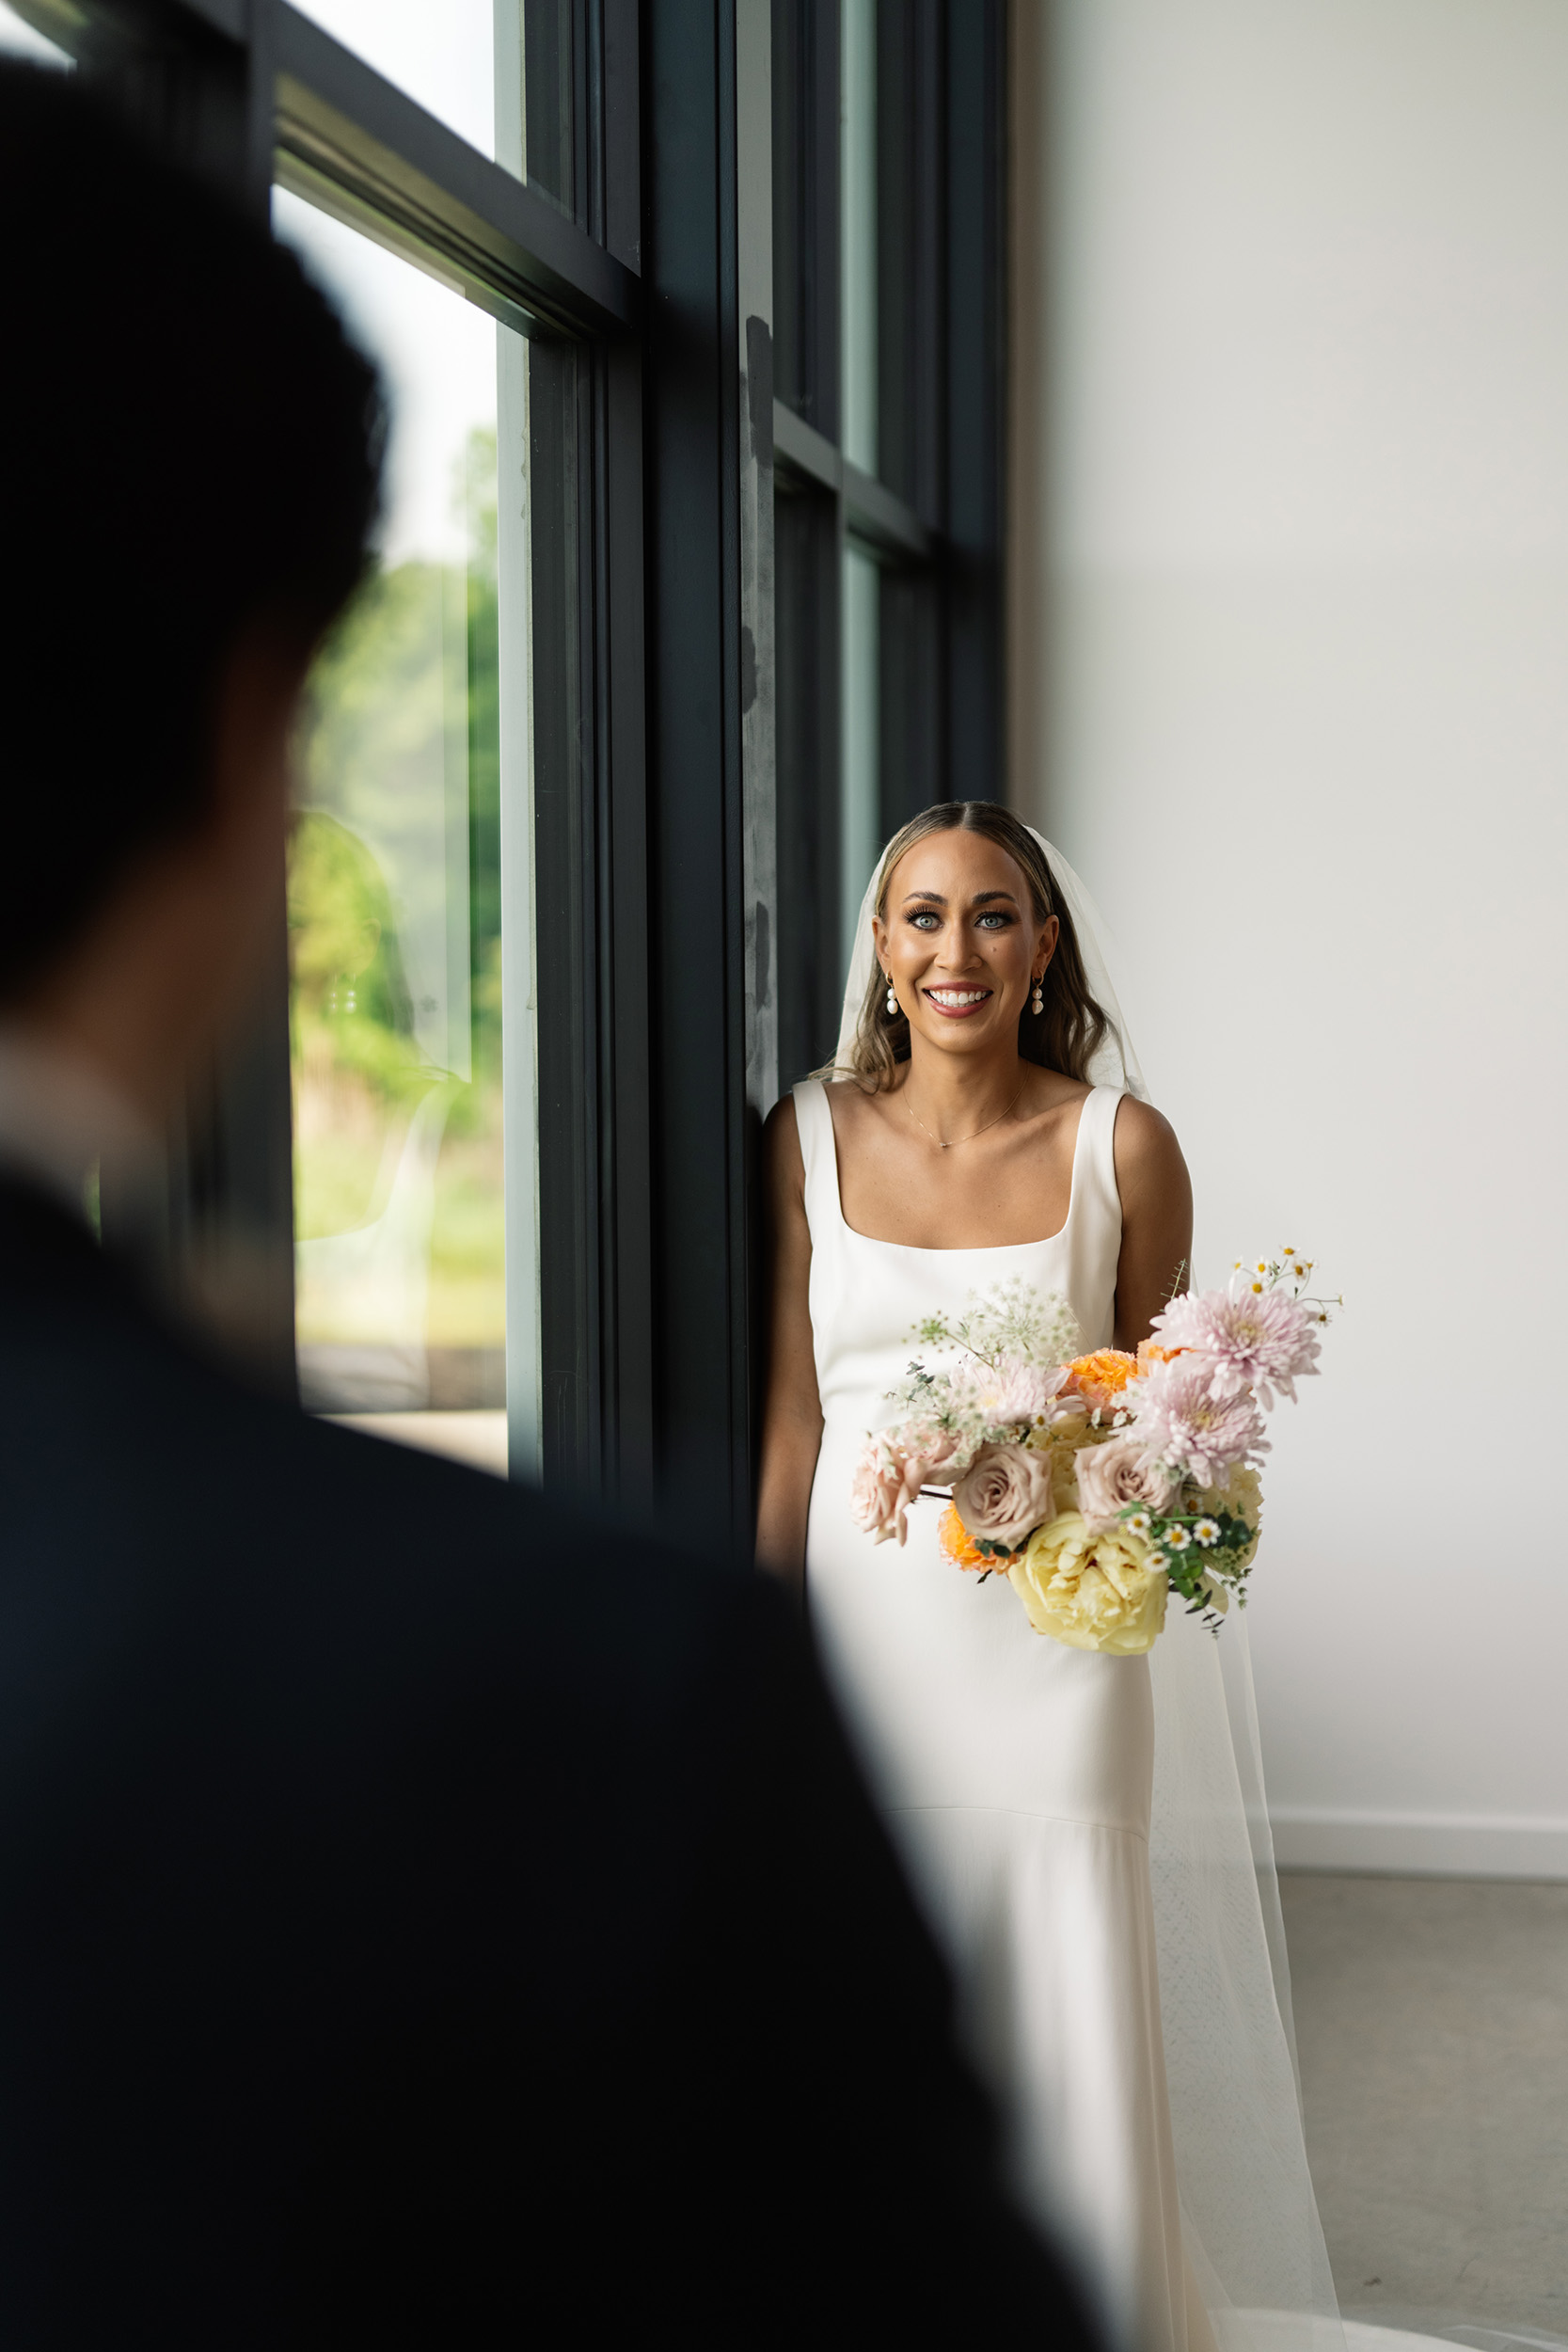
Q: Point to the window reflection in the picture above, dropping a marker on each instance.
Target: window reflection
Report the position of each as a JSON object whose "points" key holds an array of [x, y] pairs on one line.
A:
{"points": [[860, 768], [18, 38], [859, 229], [551, 37], [441, 52], [502, 73], [394, 900]]}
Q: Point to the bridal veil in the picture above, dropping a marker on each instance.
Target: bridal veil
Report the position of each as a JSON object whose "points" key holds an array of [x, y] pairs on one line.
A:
{"points": [[1250, 2223]]}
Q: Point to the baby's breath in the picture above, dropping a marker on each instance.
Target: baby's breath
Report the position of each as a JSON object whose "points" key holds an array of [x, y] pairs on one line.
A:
{"points": [[1011, 1326], [1011, 1323]]}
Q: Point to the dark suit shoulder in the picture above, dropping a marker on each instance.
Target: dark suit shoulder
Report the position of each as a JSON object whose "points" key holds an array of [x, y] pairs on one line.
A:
{"points": [[427, 1909], [138, 1473]]}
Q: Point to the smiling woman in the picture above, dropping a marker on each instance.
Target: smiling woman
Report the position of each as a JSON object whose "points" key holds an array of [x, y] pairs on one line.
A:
{"points": [[1060, 1025], [960, 1139], [1074, 1822]]}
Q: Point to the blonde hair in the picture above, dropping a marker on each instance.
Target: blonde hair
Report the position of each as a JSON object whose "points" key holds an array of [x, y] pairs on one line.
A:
{"points": [[1068, 1032]]}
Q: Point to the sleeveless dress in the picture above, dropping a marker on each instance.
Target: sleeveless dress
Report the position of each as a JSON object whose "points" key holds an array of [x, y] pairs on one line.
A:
{"points": [[1014, 1774]]}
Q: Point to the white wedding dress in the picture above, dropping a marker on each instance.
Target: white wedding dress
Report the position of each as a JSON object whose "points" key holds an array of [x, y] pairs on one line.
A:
{"points": [[1087, 1834], [1016, 1773]]}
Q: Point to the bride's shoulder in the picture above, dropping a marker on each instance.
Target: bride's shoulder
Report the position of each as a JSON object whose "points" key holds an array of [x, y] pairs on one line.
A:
{"points": [[780, 1129], [1144, 1128], [1146, 1149], [782, 1161]]}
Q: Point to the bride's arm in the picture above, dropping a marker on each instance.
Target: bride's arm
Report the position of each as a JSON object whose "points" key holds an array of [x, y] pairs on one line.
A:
{"points": [[792, 1419], [1156, 1219]]}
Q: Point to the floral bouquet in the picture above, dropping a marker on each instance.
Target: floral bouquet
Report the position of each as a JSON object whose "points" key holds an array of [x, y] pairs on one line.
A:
{"points": [[1098, 1484]]}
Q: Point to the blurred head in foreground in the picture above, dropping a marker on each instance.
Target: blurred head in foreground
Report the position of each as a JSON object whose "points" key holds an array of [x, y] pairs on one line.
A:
{"points": [[191, 470]]}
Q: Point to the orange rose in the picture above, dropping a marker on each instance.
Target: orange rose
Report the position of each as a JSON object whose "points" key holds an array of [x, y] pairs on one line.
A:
{"points": [[1103, 1375], [953, 1535]]}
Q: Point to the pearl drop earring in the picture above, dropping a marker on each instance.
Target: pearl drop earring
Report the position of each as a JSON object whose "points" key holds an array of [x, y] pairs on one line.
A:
{"points": [[1036, 1002], [892, 997]]}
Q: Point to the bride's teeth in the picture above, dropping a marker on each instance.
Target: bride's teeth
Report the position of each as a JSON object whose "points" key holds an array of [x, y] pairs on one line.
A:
{"points": [[959, 996]]}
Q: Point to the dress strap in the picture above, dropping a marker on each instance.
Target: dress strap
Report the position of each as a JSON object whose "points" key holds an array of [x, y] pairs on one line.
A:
{"points": [[1095, 1169], [814, 1123]]}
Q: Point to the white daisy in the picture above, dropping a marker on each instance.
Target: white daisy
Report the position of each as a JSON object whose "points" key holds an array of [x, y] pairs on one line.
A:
{"points": [[1206, 1532], [1178, 1538], [1139, 1524]]}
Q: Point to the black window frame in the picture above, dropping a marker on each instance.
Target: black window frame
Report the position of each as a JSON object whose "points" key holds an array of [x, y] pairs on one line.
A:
{"points": [[932, 516], [673, 755]]}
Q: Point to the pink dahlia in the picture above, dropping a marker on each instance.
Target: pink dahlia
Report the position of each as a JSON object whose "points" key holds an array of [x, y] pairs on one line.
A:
{"points": [[1021, 1391], [1243, 1337], [1180, 1422]]}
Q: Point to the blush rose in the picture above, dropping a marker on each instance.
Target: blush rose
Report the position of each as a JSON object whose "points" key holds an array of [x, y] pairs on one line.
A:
{"points": [[889, 1477], [876, 1492], [1004, 1495], [1112, 1475]]}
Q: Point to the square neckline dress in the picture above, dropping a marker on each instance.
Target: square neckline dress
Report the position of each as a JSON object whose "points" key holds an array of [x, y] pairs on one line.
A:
{"points": [[1016, 1775]]}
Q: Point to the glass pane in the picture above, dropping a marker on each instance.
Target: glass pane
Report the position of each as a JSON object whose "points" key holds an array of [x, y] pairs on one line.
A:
{"points": [[806, 554], [395, 899], [502, 72], [441, 52], [858, 154], [19, 40], [860, 803], [536, 71]]}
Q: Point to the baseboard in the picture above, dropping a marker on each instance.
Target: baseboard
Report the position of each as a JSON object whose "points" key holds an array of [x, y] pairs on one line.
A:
{"points": [[1422, 1845]]}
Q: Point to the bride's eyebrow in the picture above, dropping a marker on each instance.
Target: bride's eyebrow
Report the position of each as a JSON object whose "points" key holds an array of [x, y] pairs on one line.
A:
{"points": [[935, 898]]}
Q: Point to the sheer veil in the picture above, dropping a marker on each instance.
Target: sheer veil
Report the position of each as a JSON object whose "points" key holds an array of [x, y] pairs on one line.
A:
{"points": [[1115, 1064], [1250, 2223]]}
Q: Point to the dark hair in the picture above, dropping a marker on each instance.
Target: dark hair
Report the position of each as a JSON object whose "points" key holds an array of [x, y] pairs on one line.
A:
{"points": [[189, 445], [1072, 1025]]}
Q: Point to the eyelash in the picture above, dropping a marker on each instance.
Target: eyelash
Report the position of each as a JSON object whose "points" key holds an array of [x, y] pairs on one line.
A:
{"points": [[994, 915]]}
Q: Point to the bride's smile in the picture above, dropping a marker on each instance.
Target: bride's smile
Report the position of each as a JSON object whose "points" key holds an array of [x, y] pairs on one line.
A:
{"points": [[961, 945]]}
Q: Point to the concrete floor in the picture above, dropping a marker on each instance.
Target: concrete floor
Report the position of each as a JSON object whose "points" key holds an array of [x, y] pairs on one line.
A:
{"points": [[1431, 2020]]}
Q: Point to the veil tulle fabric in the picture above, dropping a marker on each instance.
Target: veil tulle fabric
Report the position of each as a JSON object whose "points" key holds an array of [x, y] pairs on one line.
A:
{"points": [[1250, 2223], [1114, 1063]]}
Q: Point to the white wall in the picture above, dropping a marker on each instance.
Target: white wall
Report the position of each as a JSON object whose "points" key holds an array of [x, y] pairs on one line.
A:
{"points": [[1304, 546]]}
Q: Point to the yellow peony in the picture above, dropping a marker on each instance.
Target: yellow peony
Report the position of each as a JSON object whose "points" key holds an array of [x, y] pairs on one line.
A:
{"points": [[1092, 1592]]}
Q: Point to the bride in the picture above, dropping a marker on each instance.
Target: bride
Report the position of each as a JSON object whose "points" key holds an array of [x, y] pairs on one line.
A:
{"points": [[981, 1123]]}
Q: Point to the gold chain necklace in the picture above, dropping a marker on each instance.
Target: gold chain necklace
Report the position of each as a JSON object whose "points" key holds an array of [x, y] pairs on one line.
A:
{"points": [[968, 1138]]}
